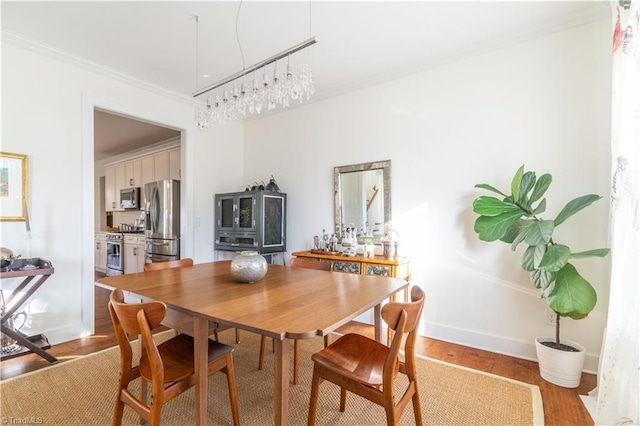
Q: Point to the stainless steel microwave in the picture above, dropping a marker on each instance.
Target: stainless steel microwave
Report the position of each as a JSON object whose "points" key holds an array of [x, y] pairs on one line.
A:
{"points": [[130, 198]]}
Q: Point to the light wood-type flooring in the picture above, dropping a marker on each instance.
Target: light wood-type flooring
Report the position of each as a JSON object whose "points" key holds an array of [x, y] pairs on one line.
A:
{"points": [[561, 406]]}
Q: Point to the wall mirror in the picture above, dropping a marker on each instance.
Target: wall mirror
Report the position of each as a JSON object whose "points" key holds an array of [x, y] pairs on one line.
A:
{"points": [[362, 197]]}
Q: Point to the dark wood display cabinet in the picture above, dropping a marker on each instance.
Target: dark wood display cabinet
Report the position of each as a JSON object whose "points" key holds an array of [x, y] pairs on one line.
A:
{"points": [[251, 220]]}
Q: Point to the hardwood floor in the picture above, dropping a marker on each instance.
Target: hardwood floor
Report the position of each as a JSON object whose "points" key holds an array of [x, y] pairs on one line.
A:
{"points": [[561, 406]]}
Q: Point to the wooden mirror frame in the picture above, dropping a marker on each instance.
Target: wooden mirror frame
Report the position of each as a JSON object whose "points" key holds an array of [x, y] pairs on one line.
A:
{"points": [[337, 192]]}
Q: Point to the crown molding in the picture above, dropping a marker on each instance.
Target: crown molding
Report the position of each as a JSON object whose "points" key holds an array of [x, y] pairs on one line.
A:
{"points": [[599, 10], [165, 145], [43, 49]]}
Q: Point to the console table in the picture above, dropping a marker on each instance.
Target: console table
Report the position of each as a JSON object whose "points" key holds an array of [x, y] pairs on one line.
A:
{"points": [[23, 268], [399, 267]]}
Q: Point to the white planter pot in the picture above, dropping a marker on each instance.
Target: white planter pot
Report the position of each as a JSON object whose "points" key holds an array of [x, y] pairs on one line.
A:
{"points": [[560, 367]]}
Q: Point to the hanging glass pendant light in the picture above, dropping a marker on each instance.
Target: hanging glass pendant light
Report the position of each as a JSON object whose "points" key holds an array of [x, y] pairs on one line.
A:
{"points": [[267, 91]]}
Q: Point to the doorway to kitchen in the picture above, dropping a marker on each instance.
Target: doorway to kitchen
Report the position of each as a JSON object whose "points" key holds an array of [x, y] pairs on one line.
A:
{"points": [[119, 137]]}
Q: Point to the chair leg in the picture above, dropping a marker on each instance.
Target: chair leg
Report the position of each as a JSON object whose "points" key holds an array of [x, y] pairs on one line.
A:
{"points": [[144, 397], [118, 411], [343, 399], [391, 416], [263, 342], [215, 336], [156, 411], [233, 394], [326, 341], [416, 407], [237, 335], [295, 362], [313, 402]]}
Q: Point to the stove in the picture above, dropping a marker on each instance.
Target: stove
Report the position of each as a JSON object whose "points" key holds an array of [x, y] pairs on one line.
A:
{"points": [[115, 260], [115, 254], [117, 235]]}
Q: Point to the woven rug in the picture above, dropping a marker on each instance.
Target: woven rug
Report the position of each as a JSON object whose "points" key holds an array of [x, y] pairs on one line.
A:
{"points": [[82, 392]]}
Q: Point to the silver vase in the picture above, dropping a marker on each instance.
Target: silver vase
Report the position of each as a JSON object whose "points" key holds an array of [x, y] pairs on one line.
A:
{"points": [[248, 267]]}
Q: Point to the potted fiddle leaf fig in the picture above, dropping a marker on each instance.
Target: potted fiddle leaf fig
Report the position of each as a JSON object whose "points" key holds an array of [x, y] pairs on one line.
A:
{"points": [[515, 218]]}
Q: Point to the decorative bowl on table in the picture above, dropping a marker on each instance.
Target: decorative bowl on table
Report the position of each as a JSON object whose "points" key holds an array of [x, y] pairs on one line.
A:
{"points": [[248, 267]]}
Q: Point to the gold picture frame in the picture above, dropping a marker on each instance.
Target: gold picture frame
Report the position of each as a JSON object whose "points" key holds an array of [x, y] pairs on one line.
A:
{"points": [[14, 174]]}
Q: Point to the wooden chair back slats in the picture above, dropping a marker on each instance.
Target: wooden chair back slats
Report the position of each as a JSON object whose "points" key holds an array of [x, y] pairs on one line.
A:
{"points": [[391, 311], [127, 314], [171, 264]]}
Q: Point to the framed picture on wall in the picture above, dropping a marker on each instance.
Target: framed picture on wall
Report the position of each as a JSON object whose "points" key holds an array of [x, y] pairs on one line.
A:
{"points": [[13, 187]]}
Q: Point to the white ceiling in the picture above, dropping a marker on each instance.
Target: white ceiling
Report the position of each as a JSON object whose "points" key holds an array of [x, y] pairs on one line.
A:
{"points": [[359, 43], [114, 134]]}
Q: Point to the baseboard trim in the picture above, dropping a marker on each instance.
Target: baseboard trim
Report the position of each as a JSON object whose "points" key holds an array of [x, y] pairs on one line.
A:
{"points": [[66, 334], [498, 344]]}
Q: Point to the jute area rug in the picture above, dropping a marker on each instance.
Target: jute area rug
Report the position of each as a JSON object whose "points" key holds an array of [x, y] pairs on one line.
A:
{"points": [[82, 392]]}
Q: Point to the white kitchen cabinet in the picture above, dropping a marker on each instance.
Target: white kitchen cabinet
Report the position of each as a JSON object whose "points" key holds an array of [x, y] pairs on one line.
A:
{"points": [[139, 171], [161, 166], [114, 181], [100, 262], [111, 193], [147, 176], [147, 169], [174, 164], [133, 248], [121, 176], [133, 173]]}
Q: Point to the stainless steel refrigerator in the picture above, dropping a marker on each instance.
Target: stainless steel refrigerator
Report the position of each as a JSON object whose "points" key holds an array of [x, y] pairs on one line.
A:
{"points": [[162, 223]]}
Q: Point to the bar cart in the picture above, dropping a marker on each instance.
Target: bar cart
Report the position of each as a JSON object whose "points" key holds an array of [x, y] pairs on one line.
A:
{"points": [[29, 269]]}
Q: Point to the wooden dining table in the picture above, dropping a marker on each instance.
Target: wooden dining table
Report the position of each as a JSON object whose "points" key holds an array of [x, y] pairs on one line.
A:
{"points": [[288, 303]]}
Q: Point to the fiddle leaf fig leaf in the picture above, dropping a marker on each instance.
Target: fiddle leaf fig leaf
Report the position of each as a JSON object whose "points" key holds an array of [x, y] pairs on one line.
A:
{"points": [[601, 252], [540, 232], [491, 206], [516, 232], [490, 188], [532, 257], [515, 184], [574, 206], [572, 295], [528, 181], [541, 208], [542, 279], [520, 236], [555, 258], [541, 187], [492, 228]]}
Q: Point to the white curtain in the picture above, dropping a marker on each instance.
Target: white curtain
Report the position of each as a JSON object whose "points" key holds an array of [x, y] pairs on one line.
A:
{"points": [[618, 396]]}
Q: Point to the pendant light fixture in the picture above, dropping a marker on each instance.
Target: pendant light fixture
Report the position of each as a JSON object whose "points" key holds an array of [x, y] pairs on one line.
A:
{"points": [[261, 86]]}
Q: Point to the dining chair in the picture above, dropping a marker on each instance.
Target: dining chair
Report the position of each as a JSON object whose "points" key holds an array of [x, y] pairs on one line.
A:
{"points": [[368, 368], [187, 261], [167, 367], [297, 262]]}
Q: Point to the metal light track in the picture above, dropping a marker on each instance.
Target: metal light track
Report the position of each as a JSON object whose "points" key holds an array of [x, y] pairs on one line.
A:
{"points": [[254, 67]]}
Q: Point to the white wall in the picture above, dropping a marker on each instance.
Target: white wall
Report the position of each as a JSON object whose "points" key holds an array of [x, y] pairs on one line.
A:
{"points": [[47, 113], [543, 103]]}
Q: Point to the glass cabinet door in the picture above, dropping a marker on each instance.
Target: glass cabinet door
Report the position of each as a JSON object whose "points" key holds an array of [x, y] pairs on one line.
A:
{"points": [[226, 213], [236, 213], [273, 221], [246, 213]]}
